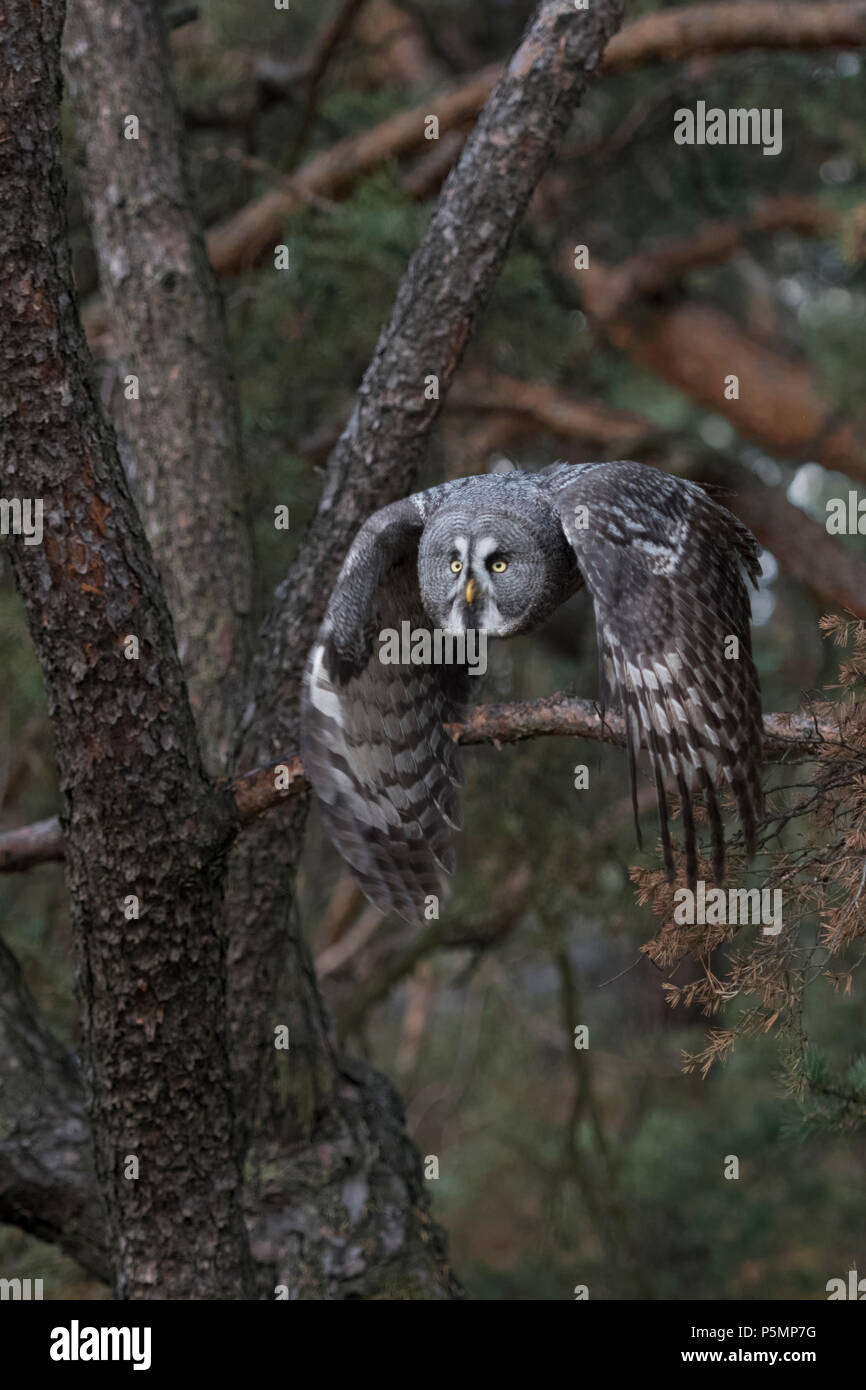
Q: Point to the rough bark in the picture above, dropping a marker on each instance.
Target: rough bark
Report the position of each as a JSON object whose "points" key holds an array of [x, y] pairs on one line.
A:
{"points": [[139, 815], [180, 441]]}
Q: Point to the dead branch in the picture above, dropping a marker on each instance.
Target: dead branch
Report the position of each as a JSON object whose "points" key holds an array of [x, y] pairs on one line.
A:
{"points": [[785, 735]]}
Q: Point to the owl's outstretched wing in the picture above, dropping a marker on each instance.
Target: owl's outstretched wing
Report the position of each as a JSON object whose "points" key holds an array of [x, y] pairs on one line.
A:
{"points": [[667, 567], [383, 767]]}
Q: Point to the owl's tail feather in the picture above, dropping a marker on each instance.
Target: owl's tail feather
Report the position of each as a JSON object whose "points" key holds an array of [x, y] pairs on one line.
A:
{"points": [[717, 830], [662, 800], [632, 745]]}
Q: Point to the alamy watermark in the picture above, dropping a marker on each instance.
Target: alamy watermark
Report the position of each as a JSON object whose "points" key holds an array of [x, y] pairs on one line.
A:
{"points": [[846, 516], [737, 126], [77, 1343], [18, 1289], [854, 1288], [22, 516], [421, 646], [743, 906]]}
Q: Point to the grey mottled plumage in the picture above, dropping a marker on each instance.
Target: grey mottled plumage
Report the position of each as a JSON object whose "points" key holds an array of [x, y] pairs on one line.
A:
{"points": [[666, 568]]}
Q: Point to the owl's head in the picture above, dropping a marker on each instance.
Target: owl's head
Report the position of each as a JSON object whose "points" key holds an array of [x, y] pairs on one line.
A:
{"points": [[492, 568]]}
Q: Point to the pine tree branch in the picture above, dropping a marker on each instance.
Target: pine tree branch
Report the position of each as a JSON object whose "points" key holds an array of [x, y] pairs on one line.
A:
{"points": [[788, 736]]}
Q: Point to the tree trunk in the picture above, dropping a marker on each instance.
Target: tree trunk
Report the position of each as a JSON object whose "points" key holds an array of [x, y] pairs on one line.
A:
{"points": [[140, 818]]}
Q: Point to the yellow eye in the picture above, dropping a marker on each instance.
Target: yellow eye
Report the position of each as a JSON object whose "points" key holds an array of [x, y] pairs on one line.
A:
{"points": [[499, 566], [456, 566]]}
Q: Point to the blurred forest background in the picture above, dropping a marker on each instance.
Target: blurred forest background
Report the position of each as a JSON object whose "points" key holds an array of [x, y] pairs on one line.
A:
{"points": [[557, 1166]]}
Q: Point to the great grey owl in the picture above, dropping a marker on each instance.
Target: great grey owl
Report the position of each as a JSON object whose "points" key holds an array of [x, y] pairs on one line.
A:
{"points": [[666, 567]]}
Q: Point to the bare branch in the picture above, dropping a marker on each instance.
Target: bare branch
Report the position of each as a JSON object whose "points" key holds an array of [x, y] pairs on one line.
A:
{"points": [[672, 35], [566, 716], [788, 736], [328, 40], [40, 843]]}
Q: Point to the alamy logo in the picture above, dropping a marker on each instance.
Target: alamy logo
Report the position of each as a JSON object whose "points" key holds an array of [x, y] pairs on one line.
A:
{"points": [[22, 516], [855, 1288], [743, 906], [21, 1289], [75, 1343], [846, 518], [421, 646], [737, 126]]}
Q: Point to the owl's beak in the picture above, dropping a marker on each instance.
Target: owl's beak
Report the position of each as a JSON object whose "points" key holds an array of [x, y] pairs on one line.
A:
{"points": [[471, 591]]}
